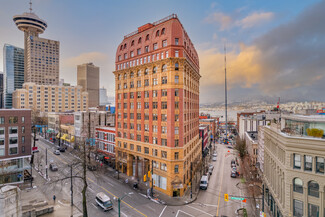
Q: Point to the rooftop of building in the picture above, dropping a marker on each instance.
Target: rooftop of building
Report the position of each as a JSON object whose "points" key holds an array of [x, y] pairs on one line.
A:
{"points": [[292, 135], [253, 135], [305, 118]]}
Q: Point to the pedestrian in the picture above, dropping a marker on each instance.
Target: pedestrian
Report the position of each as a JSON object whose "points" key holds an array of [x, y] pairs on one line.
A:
{"points": [[54, 197]]}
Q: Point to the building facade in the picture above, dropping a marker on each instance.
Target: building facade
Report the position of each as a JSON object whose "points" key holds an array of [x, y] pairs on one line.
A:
{"points": [[251, 138], [103, 99], [41, 57], [10, 201], [1, 90], [13, 65], [157, 105], [294, 179], [105, 141], [88, 78], [50, 98], [15, 144]]}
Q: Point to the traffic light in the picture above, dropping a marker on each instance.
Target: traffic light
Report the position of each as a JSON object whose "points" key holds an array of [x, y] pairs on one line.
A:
{"points": [[226, 197]]}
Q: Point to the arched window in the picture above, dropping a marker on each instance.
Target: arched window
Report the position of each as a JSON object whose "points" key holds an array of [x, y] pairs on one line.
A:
{"points": [[146, 72], [176, 67], [298, 185], [147, 37], [164, 68], [163, 31], [157, 33], [132, 43], [313, 189], [139, 41], [131, 75], [121, 47], [154, 70], [139, 73], [124, 46]]}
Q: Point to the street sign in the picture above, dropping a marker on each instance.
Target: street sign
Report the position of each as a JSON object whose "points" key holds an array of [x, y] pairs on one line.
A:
{"points": [[237, 198]]}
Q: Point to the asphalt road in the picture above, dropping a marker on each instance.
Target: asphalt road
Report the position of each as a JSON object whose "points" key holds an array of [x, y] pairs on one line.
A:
{"points": [[210, 202]]}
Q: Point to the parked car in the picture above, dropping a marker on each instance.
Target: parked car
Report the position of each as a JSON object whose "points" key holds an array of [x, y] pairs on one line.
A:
{"points": [[233, 174], [234, 169], [211, 166], [56, 152], [92, 167], [62, 149], [204, 182], [53, 167], [214, 154], [233, 163], [214, 158], [210, 170], [230, 147]]}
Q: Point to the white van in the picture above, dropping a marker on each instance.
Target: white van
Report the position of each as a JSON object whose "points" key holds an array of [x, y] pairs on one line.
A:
{"points": [[104, 201], [204, 182]]}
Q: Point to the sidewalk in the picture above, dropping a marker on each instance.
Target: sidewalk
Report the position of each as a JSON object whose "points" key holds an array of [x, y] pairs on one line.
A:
{"points": [[36, 201]]}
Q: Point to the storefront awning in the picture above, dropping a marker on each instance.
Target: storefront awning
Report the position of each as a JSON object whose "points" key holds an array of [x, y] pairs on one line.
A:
{"points": [[178, 186], [64, 136]]}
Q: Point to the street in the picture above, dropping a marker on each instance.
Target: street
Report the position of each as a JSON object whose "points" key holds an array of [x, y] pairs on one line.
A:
{"points": [[209, 202]]}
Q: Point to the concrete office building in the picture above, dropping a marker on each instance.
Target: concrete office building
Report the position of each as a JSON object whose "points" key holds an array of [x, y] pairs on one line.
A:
{"points": [[41, 55], [1, 90], [157, 105], [103, 99], [13, 65], [50, 98], [294, 178], [15, 144], [88, 78]]}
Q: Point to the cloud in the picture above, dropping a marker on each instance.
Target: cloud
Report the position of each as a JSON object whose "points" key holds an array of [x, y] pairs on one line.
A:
{"points": [[255, 19], [85, 58], [222, 20], [288, 60]]}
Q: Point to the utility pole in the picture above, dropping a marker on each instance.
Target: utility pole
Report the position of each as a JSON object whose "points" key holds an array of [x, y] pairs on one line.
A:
{"points": [[32, 158], [152, 179], [191, 178], [226, 93], [46, 163], [71, 190]]}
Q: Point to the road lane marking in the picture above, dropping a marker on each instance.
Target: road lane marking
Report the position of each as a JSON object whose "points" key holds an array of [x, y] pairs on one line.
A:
{"points": [[124, 214], [54, 155], [162, 211], [116, 196], [199, 210], [223, 165], [94, 205], [91, 190], [184, 213], [204, 204]]}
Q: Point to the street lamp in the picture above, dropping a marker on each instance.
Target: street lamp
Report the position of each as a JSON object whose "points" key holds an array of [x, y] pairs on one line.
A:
{"points": [[119, 202]]}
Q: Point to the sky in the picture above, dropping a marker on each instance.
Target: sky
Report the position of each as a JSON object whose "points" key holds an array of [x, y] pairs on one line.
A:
{"points": [[274, 48]]}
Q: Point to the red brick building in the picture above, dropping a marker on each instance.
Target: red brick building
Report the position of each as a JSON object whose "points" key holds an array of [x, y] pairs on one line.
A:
{"points": [[157, 105], [15, 144]]}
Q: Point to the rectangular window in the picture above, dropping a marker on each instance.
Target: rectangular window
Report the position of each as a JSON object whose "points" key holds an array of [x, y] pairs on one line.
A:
{"points": [[146, 117], [131, 105], [164, 154], [163, 105], [298, 210], [155, 117], [164, 129], [139, 105], [2, 131], [163, 166], [176, 131], [2, 141], [146, 94], [155, 128], [131, 115], [164, 43], [154, 105], [176, 41], [176, 169], [308, 163], [155, 46], [176, 79], [138, 148], [138, 95], [176, 105], [139, 116], [23, 139], [138, 126], [155, 152], [163, 117], [13, 150], [132, 95], [164, 142], [146, 150], [138, 137], [131, 54], [13, 130], [13, 120], [176, 142], [146, 48], [131, 146], [146, 105], [155, 81], [176, 117], [176, 53], [139, 51], [320, 165], [176, 92], [296, 161], [22, 119], [164, 80], [146, 82], [176, 155], [163, 92], [154, 93], [2, 120], [146, 127]]}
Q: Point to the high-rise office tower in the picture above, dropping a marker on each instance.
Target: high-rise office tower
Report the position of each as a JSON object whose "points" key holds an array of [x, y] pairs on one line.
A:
{"points": [[41, 55], [157, 106], [13, 62], [88, 78], [103, 99], [1, 90]]}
